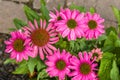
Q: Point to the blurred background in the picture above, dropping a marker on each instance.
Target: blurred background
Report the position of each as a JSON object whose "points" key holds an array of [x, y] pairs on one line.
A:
{"points": [[10, 9]]}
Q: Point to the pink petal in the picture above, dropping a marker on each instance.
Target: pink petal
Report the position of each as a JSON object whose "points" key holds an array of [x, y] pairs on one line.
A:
{"points": [[74, 13], [41, 53], [63, 16], [35, 51], [44, 24], [36, 25], [49, 26], [68, 13], [51, 47], [48, 50], [31, 25], [72, 35], [80, 16], [65, 32]]}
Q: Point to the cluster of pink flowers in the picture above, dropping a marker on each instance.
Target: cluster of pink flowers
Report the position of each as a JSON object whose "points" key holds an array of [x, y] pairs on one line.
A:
{"points": [[33, 40], [64, 64], [73, 24], [37, 39]]}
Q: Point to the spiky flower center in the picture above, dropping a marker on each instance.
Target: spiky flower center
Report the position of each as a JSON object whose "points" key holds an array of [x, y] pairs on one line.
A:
{"points": [[95, 55], [60, 64], [71, 23], [85, 68], [18, 45], [92, 24], [40, 37], [59, 18]]}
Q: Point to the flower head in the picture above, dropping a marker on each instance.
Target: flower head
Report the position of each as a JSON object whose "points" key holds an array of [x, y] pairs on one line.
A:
{"points": [[93, 26], [83, 68], [58, 64], [96, 53], [54, 17], [18, 46], [70, 25], [41, 38]]}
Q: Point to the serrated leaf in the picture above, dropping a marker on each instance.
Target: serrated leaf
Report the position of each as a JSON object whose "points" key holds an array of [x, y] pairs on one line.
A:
{"points": [[42, 74], [19, 23], [105, 66], [22, 69], [80, 8], [9, 61], [116, 14], [92, 10], [114, 74], [45, 12], [30, 14]]}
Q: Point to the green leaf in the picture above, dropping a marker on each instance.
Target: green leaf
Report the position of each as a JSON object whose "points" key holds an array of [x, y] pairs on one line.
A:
{"points": [[22, 69], [117, 43], [108, 30], [40, 65], [42, 74], [101, 38], [43, 2], [19, 23], [116, 14], [9, 61], [80, 8], [107, 48], [114, 74], [30, 14], [112, 37], [31, 64], [58, 7], [92, 10], [12, 29], [45, 12], [105, 66]]}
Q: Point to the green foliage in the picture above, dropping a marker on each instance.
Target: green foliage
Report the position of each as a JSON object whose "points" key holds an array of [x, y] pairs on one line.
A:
{"points": [[114, 73], [31, 64], [45, 12], [9, 61], [43, 2], [30, 14], [80, 8], [22, 69], [12, 29], [112, 37], [35, 63], [19, 23], [117, 43], [105, 66], [116, 14], [108, 30], [42, 74], [92, 10]]}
